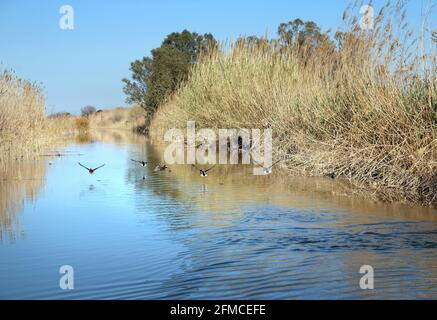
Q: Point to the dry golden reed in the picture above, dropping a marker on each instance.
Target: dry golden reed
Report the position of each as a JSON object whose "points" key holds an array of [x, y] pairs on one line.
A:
{"points": [[364, 109], [24, 127], [82, 123], [117, 118]]}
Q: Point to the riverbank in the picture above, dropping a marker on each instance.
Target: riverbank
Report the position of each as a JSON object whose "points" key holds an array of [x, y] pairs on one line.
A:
{"points": [[358, 111]]}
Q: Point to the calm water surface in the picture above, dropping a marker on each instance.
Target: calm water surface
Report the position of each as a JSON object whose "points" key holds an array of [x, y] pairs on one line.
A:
{"points": [[132, 234]]}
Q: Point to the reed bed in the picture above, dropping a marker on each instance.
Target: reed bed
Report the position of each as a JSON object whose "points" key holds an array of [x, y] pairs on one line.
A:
{"points": [[364, 109], [24, 128]]}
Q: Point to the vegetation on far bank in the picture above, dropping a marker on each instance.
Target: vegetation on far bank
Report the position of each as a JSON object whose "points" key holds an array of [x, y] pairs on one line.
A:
{"points": [[360, 105], [126, 118]]}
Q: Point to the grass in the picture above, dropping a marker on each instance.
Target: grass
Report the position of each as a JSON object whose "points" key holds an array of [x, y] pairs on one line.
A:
{"points": [[365, 110], [24, 128]]}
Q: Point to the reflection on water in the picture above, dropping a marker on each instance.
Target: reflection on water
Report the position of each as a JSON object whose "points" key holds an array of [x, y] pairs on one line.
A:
{"points": [[133, 234], [20, 180]]}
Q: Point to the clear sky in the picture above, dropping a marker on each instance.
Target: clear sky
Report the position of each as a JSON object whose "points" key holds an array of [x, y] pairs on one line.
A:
{"points": [[85, 65]]}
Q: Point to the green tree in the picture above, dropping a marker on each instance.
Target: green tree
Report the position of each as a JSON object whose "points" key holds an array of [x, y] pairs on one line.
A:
{"points": [[298, 32], [190, 42], [249, 40], [136, 88], [155, 78]]}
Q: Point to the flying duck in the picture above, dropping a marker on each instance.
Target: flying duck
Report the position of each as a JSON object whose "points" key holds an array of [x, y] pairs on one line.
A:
{"points": [[90, 170], [161, 168], [142, 163], [203, 172]]}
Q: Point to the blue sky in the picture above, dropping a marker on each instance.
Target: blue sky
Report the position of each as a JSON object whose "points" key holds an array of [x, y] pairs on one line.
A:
{"points": [[85, 65]]}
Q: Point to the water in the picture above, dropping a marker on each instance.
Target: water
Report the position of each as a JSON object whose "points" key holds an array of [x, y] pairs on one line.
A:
{"points": [[132, 234]]}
